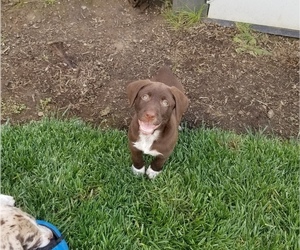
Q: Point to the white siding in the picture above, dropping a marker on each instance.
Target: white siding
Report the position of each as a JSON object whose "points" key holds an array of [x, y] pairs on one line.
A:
{"points": [[275, 13]]}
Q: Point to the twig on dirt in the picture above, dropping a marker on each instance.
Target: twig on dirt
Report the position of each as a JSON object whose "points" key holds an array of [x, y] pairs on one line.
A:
{"points": [[59, 49], [82, 15], [263, 103], [5, 50]]}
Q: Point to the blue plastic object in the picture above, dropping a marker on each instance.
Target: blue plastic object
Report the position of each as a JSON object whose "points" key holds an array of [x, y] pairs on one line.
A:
{"points": [[57, 242]]}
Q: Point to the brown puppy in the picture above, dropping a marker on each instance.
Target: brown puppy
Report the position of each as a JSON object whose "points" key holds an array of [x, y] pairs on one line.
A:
{"points": [[159, 105]]}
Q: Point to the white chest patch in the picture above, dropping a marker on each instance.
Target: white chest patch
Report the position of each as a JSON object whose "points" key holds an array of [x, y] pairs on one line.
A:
{"points": [[144, 143]]}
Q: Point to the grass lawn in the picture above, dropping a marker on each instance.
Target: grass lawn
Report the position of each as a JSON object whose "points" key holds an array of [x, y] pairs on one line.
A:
{"points": [[218, 190]]}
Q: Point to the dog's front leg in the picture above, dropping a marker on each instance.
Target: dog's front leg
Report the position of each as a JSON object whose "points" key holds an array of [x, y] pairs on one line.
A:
{"points": [[156, 166], [138, 167]]}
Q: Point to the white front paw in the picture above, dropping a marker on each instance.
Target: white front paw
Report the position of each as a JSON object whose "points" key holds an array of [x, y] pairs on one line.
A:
{"points": [[7, 200], [137, 171], [152, 173]]}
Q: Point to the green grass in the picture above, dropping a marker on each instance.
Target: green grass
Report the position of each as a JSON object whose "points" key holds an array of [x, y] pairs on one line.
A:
{"points": [[218, 190], [247, 41], [182, 19]]}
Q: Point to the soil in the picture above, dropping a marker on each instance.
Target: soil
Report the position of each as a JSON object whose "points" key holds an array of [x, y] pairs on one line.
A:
{"points": [[75, 58]]}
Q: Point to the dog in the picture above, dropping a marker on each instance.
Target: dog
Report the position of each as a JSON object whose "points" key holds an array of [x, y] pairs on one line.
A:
{"points": [[19, 230], [159, 105]]}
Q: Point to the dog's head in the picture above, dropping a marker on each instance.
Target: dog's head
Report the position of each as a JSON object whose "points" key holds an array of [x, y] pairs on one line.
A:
{"points": [[155, 102], [19, 230]]}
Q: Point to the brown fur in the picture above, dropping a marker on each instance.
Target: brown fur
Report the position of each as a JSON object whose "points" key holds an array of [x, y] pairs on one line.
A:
{"points": [[163, 86]]}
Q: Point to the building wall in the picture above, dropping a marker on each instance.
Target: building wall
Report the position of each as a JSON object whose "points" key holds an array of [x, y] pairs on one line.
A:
{"points": [[275, 13]]}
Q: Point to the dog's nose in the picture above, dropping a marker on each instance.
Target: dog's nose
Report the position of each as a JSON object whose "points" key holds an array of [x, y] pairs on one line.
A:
{"points": [[150, 115]]}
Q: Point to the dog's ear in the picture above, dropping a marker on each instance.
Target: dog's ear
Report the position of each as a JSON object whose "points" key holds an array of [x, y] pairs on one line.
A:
{"points": [[182, 102], [133, 89]]}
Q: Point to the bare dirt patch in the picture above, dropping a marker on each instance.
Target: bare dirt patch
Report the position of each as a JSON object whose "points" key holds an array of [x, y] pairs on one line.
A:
{"points": [[110, 44]]}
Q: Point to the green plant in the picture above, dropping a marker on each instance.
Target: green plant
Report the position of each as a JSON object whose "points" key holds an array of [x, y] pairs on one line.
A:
{"points": [[247, 41], [50, 2], [181, 19], [44, 104], [10, 106]]}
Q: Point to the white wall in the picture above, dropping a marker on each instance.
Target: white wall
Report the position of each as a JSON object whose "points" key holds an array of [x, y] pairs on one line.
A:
{"points": [[276, 13]]}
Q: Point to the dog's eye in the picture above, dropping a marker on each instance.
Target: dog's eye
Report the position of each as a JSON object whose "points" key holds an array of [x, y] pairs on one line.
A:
{"points": [[145, 97], [165, 103]]}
